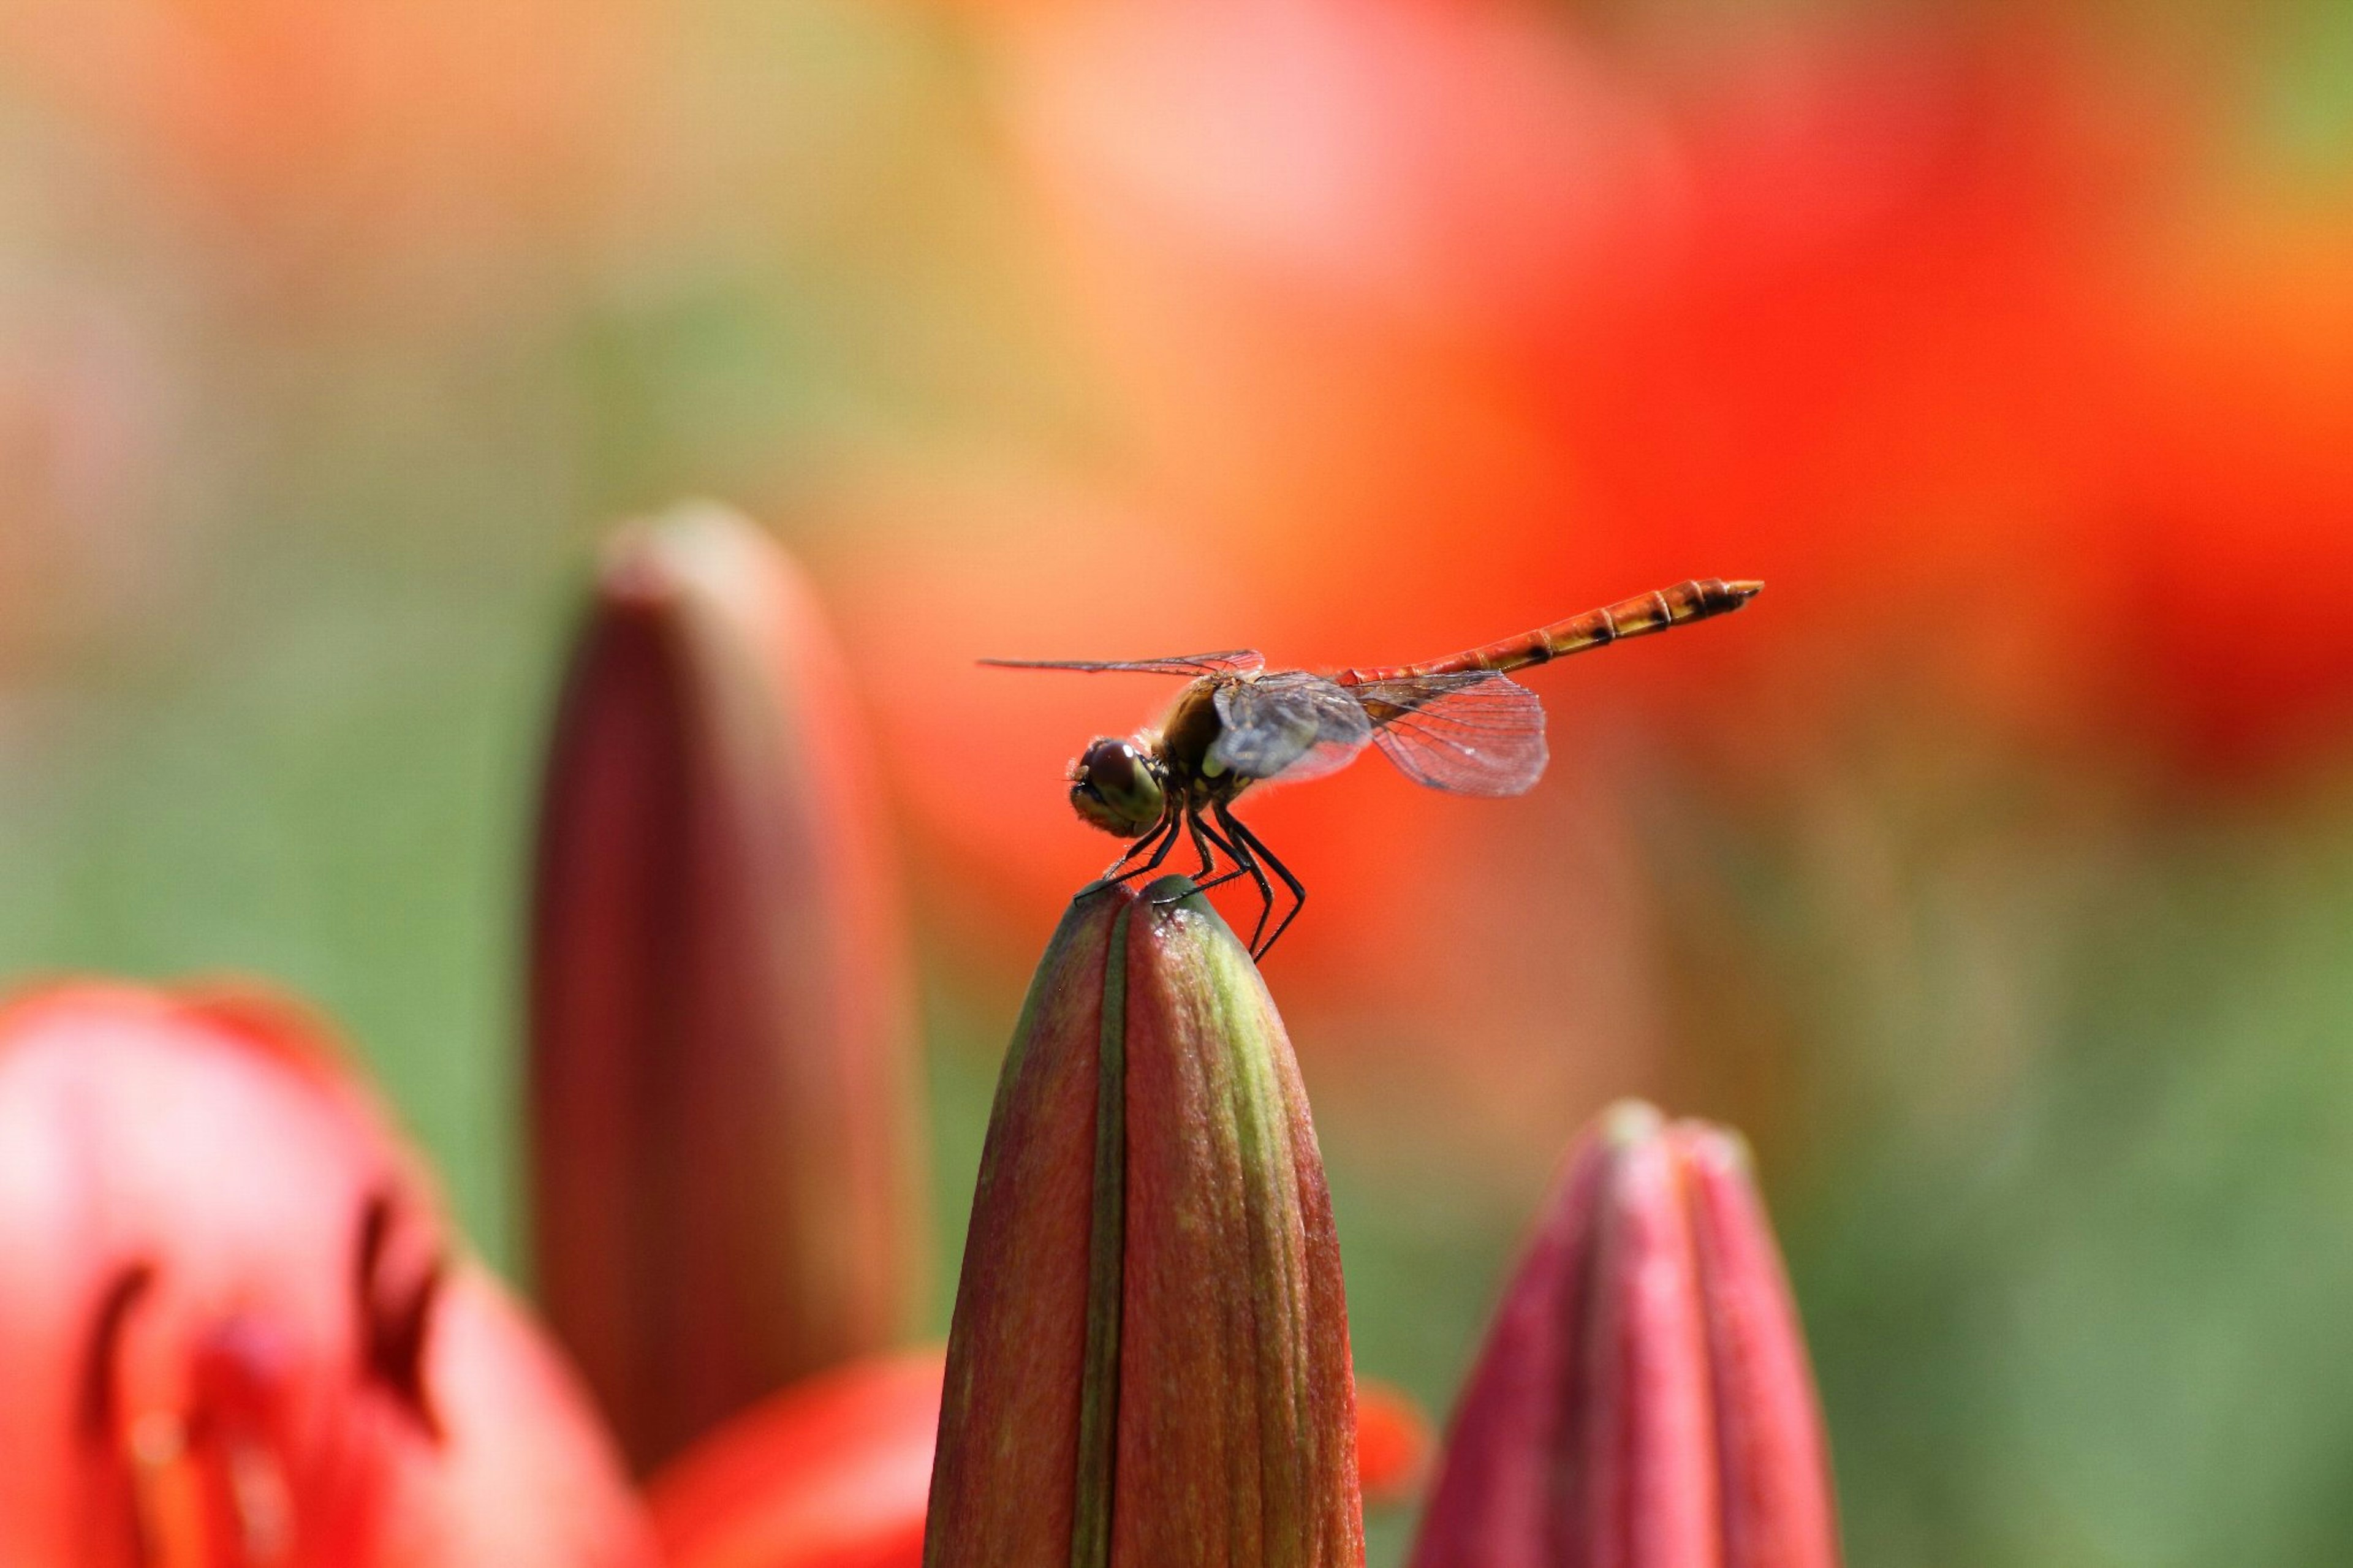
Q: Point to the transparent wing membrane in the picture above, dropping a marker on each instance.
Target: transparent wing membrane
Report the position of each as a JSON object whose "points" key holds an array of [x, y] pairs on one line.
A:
{"points": [[1291, 725], [1471, 733], [1231, 661]]}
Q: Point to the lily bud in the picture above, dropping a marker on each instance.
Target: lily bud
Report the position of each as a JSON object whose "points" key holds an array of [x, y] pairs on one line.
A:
{"points": [[1149, 1363], [1643, 1399], [722, 1088]]}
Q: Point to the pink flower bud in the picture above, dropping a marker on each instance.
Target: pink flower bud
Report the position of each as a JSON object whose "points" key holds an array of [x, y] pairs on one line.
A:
{"points": [[725, 1179], [1643, 1399], [1148, 1366]]}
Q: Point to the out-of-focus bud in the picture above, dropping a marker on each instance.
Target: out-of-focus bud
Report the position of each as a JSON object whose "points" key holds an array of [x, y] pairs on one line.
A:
{"points": [[724, 1182], [1149, 1359], [831, 1473], [233, 1330], [1643, 1398]]}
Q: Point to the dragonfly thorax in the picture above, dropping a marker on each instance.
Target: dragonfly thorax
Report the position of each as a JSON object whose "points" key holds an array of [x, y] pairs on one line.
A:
{"points": [[1187, 736]]}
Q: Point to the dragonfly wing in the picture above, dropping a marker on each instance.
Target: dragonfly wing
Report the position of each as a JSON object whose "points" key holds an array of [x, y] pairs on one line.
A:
{"points": [[1291, 725], [1472, 732], [1233, 661]]}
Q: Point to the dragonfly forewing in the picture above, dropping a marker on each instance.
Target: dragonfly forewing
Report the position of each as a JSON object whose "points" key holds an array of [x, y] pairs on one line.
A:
{"points": [[1230, 661]]}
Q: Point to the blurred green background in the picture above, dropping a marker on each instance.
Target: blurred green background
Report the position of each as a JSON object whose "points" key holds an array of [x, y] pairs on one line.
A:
{"points": [[1996, 873]]}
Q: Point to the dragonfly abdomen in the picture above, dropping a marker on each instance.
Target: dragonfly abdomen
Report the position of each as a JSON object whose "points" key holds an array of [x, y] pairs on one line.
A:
{"points": [[1639, 617]]}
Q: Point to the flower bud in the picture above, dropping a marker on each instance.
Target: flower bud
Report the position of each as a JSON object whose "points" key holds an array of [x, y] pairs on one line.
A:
{"points": [[722, 1086], [1643, 1399], [1149, 1359]]}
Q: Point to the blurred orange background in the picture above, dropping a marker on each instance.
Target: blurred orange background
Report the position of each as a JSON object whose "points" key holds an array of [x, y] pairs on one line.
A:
{"points": [[1989, 870]]}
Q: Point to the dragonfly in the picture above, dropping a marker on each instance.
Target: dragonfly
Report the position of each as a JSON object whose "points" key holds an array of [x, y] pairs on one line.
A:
{"points": [[1460, 724]]}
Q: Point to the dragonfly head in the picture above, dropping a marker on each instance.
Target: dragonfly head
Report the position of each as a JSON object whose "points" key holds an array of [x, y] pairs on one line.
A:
{"points": [[1115, 784]]}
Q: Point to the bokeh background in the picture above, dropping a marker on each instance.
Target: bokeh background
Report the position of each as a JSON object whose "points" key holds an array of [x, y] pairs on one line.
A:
{"points": [[1994, 871]]}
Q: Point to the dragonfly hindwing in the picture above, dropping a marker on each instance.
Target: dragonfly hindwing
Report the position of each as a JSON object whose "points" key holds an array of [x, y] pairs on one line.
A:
{"points": [[1292, 724]]}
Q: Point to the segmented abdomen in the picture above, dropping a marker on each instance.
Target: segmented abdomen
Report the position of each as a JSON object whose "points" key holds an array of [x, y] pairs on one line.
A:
{"points": [[1637, 617]]}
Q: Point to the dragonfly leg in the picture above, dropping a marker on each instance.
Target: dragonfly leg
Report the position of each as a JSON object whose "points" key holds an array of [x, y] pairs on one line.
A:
{"points": [[1240, 848], [1203, 836], [1252, 845], [1165, 832]]}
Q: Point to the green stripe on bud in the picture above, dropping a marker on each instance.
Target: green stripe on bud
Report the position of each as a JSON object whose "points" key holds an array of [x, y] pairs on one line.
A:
{"points": [[1149, 1360]]}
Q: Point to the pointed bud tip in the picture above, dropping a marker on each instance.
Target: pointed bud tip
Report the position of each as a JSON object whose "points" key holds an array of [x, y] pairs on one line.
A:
{"points": [[1721, 1149], [1174, 889], [1744, 588], [1109, 887], [1630, 1122], [648, 563], [631, 577], [1169, 899]]}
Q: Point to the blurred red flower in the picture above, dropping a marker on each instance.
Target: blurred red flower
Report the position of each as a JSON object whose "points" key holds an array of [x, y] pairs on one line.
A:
{"points": [[2234, 511], [1426, 322], [1417, 323], [236, 1329], [834, 1472], [1433, 320]]}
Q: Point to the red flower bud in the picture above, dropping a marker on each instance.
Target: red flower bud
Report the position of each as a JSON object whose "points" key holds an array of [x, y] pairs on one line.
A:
{"points": [[722, 1088], [233, 1330], [1643, 1398], [1149, 1359]]}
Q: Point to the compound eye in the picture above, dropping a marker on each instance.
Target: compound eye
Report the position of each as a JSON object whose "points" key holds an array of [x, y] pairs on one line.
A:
{"points": [[1114, 787]]}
